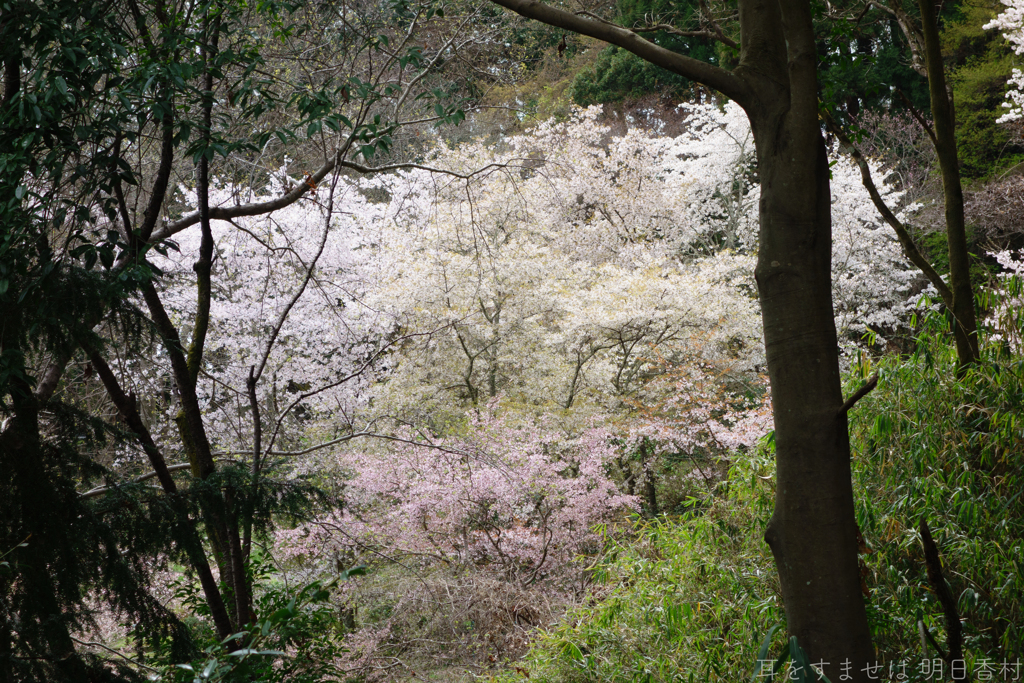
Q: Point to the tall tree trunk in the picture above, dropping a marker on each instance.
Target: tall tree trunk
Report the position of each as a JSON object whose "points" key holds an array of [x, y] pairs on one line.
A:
{"points": [[812, 532], [965, 324]]}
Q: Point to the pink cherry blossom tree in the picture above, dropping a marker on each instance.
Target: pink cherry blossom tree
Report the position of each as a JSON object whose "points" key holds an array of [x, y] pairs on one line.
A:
{"points": [[519, 498]]}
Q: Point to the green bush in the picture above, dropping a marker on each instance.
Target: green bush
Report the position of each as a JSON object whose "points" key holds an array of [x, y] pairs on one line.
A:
{"points": [[620, 75], [936, 247], [985, 147], [982, 62], [299, 640], [931, 445]]}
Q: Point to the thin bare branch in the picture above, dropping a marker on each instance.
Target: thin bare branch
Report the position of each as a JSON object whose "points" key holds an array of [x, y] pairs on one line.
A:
{"points": [[910, 249], [917, 117], [87, 643], [710, 35]]}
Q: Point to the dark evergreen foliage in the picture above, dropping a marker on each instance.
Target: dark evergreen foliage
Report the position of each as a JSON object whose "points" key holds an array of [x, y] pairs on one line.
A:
{"points": [[865, 65], [65, 555], [618, 74]]}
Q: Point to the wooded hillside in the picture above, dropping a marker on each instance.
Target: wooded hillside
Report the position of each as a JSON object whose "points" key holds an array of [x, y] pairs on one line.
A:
{"points": [[399, 340]]}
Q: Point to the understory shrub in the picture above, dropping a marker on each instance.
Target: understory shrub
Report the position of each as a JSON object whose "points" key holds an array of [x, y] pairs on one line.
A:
{"points": [[931, 445]]}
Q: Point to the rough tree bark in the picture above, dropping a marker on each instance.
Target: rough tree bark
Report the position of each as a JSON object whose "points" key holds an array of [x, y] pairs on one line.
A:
{"points": [[812, 532]]}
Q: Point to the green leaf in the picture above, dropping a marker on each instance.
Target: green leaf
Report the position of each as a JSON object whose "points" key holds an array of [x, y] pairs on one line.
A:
{"points": [[208, 669], [762, 653], [280, 615], [570, 650], [359, 570], [805, 673]]}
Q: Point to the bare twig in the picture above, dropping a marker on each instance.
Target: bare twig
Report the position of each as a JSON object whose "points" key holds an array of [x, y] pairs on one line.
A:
{"points": [[917, 116], [710, 35], [859, 394], [716, 26], [115, 652]]}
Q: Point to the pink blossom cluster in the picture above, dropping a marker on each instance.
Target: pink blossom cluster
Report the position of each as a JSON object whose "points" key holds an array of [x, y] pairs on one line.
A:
{"points": [[514, 497]]}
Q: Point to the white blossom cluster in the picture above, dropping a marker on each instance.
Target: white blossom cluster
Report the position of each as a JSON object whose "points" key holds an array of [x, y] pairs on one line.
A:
{"points": [[562, 270], [1011, 23], [283, 293], [552, 278], [577, 261]]}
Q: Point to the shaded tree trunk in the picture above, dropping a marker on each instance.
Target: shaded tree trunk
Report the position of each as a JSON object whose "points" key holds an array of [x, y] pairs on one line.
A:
{"points": [[812, 532], [647, 467], [965, 324]]}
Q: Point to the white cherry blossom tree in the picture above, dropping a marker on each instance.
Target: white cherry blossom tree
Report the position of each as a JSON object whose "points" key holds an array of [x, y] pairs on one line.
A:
{"points": [[1011, 22]]}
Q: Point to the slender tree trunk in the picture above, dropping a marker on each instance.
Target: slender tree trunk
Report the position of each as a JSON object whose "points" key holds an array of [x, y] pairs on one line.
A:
{"points": [[965, 324], [647, 467], [184, 530]]}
